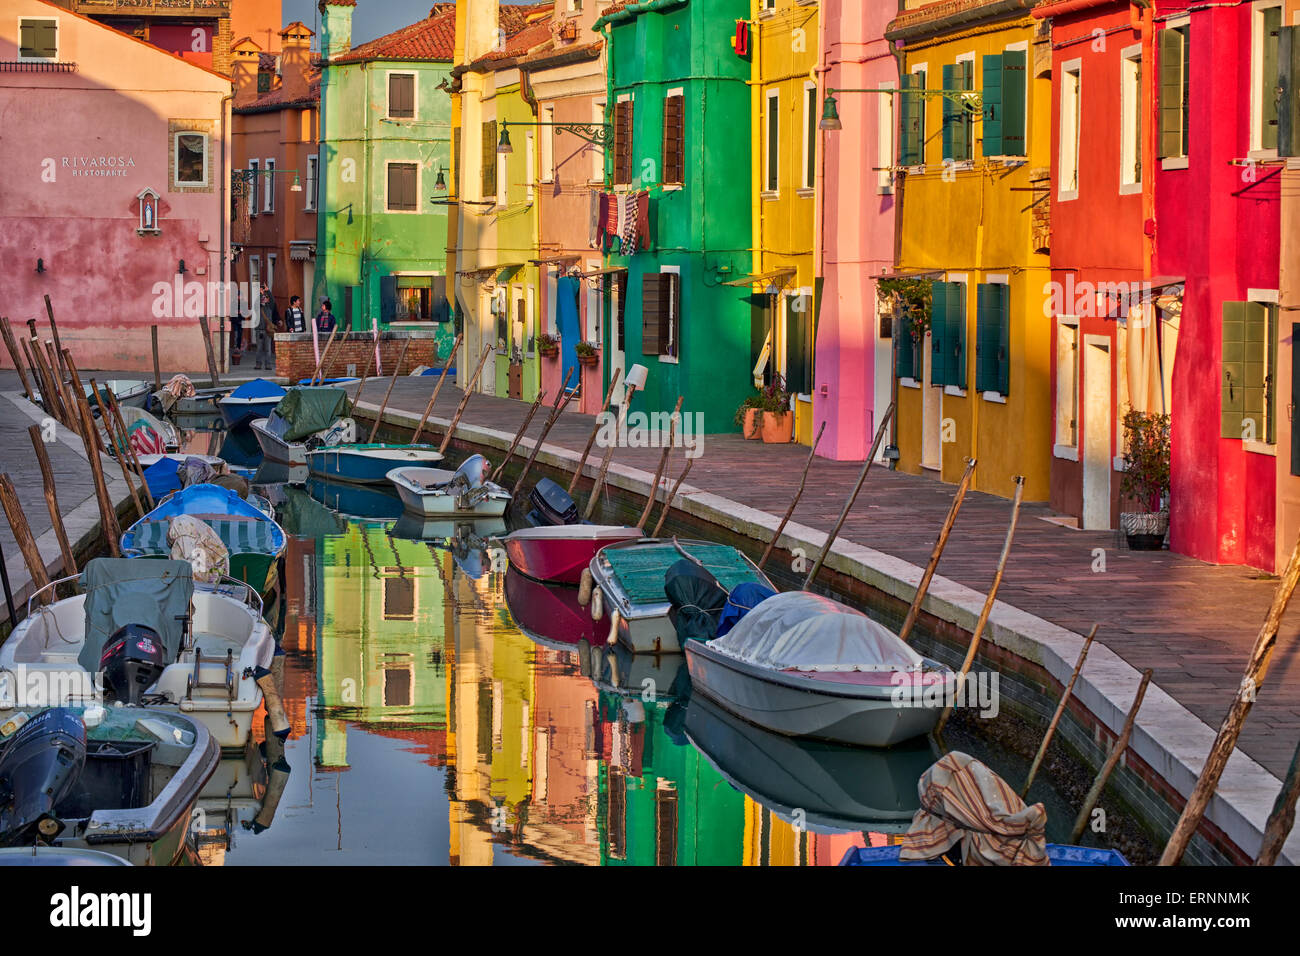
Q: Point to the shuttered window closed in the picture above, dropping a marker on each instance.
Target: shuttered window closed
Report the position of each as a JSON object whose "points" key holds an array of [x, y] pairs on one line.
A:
{"points": [[489, 159], [401, 187], [623, 142], [1248, 371], [957, 122], [992, 338], [1005, 82], [1172, 95], [401, 95], [674, 140], [38, 39], [906, 352], [911, 143], [948, 334]]}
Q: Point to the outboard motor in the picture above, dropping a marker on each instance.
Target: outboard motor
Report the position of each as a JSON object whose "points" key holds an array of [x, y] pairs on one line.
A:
{"points": [[696, 600], [132, 662], [37, 770], [552, 505]]}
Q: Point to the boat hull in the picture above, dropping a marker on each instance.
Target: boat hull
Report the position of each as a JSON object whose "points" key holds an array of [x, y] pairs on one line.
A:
{"points": [[367, 466], [277, 449], [237, 413], [433, 503], [1058, 854], [561, 558], [801, 706]]}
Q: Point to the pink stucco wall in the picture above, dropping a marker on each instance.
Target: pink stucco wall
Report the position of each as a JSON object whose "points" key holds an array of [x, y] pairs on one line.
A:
{"points": [[1221, 232], [100, 274], [856, 235]]}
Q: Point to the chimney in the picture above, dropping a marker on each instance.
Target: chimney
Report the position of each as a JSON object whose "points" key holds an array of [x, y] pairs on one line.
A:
{"points": [[243, 71], [295, 52], [481, 27], [336, 27]]}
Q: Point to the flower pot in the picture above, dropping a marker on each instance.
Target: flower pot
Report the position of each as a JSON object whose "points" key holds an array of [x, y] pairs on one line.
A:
{"points": [[1145, 530], [550, 352], [235, 356], [588, 360], [778, 427], [751, 425]]}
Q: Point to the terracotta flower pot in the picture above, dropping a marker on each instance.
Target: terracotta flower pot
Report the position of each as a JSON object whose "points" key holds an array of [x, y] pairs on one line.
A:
{"points": [[752, 426], [588, 359], [550, 351], [778, 427]]}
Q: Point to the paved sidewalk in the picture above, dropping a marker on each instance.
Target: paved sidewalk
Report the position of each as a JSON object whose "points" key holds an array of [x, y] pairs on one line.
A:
{"points": [[1193, 623]]}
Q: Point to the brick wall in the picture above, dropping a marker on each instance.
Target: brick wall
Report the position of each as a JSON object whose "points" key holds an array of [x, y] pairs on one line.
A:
{"points": [[296, 359]]}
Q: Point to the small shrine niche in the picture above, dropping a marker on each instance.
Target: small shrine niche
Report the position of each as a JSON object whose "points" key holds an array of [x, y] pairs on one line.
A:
{"points": [[148, 200]]}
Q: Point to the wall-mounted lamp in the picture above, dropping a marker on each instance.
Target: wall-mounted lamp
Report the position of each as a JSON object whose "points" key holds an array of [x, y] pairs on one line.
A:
{"points": [[348, 207], [180, 268], [440, 184], [830, 115], [40, 266], [504, 146], [297, 184]]}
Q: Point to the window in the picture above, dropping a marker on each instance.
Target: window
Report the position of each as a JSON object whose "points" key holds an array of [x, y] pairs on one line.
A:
{"points": [[548, 146], [268, 191], [1173, 77], [413, 298], [661, 301], [1249, 371], [401, 95], [190, 159], [399, 594], [992, 337], [810, 119], [948, 334], [530, 161], [254, 182], [1070, 112], [772, 152], [907, 352], [885, 141], [674, 138], [1130, 109], [264, 81], [397, 679], [958, 124], [623, 141], [1288, 102], [1067, 383], [1005, 85], [489, 159], [255, 275], [270, 272], [38, 39], [1266, 23], [309, 197], [911, 130], [403, 187]]}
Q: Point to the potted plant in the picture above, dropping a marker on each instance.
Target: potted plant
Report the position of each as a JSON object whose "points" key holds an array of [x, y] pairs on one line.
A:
{"points": [[749, 416], [587, 354], [1145, 484], [910, 301], [548, 345], [778, 420]]}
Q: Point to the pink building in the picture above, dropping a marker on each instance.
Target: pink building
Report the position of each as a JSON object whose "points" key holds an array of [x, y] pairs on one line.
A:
{"points": [[115, 158], [855, 228], [1217, 206]]}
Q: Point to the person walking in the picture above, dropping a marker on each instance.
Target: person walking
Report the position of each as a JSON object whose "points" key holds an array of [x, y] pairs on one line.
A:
{"points": [[294, 317], [268, 324]]}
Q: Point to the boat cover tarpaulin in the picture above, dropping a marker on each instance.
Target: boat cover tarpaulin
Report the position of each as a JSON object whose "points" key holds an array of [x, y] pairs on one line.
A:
{"points": [[740, 602], [310, 410], [258, 388], [696, 600], [162, 477], [640, 568], [963, 801], [807, 632], [122, 591]]}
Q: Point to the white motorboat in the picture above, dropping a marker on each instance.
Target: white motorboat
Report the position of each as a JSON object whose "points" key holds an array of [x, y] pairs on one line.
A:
{"points": [[434, 492], [208, 667], [803, 665]]}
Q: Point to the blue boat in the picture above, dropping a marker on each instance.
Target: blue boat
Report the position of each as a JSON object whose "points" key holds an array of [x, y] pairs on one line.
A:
{"points": [[368, 463], [253, 539], [251, 400], [1060, 854]]}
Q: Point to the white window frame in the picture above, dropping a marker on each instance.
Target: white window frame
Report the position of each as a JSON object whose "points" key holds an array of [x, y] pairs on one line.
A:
{"points": [[1260, 446], [415, 96], [1175, 23], [772, 108], [1130, 100], [255, 182], [885, 123], [1256, 65], [268, 191], [548, 146], [673, 359], [503, 184], [968, 57], [255, 277], [419, 186], [1065, 446], [58, 41], [1070, 136], [809, 181], [530, 161], [313, 179], [680, 92], [207, 159], [595, 299]]}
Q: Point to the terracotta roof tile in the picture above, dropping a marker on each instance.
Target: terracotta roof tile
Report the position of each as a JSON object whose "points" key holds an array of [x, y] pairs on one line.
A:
{"points": [[433, 38], [275, 99]]}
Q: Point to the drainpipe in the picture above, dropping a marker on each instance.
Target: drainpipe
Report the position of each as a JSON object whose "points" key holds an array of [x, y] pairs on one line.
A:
{"points": [[900, 183], [223, 211]]}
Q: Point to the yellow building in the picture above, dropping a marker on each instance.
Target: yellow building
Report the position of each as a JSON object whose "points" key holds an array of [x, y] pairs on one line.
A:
{"points": [[785, 113], [974, 220]]}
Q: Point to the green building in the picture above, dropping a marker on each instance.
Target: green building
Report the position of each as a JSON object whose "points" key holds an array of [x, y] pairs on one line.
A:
{"points": [[385, 148], [679, 104]]}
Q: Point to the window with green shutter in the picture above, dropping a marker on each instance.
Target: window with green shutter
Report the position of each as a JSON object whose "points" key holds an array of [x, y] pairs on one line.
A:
{"points": [[1270, 22], [1172, 96], [1248, 364], [948, 334], [906, 352], [489, 159], [38, 39], [992, 338], [1005, 82], [1288, 103], [957, 122], [911, 129], [991, 96]]}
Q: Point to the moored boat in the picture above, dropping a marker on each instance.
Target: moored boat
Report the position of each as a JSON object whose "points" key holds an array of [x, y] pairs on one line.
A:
{"points": [[368, 463], [549, 616], [305, 417], [438, 492], [255, 399], [253, 540], [1058, 854], [210, 650], [803, 665], [631, 578], [558, 554]]}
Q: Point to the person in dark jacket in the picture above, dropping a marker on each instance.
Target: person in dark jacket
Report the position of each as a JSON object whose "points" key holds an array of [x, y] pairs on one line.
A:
{"points": [[325, 317], [294, 317], [267, 326]]}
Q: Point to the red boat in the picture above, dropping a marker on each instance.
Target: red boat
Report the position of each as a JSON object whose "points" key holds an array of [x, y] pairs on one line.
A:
{"points": [[549, 615], [558, 554]]}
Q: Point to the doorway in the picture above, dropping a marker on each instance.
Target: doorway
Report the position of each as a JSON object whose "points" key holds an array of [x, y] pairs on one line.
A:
{"points": [[931, 414], [1097, 418]]}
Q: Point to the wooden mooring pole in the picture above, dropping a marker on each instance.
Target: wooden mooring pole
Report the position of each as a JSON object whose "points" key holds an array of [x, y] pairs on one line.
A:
{"points": [[52, 499], [595, 429], [1121, 745], [663, 463], [442, 377], [794, 502], [528, 420], [12, 345], [383, 406], [607, 457], [321, 359], [914, 611], [118, 453], [107, 514], [464, 400], [1060, 710], [1282, 817], [557, 409], [668, 505], [129, 449], [26, 541], [207, 348]]}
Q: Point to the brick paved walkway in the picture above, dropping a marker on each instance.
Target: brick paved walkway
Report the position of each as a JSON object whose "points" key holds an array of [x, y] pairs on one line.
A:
{"points": [[1193, 623]]}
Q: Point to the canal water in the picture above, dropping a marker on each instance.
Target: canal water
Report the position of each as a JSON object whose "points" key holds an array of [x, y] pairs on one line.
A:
{"points": [[447, 711]]}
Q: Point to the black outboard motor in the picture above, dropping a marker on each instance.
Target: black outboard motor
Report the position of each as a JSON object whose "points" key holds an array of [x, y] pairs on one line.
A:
{"points": [[552, 505], [696, 600], [37, 769], [132, 662]]}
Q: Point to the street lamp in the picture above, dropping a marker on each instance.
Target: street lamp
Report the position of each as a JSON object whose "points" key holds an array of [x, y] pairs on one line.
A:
{"points": [[598, 134], [972, 101]]}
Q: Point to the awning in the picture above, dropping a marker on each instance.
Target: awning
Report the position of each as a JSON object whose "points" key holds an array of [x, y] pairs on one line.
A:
{"points": [[505, 272], [300, 250], [603, 272], [784, 274], [912, 274], [1163, 282], [554, 260]]}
